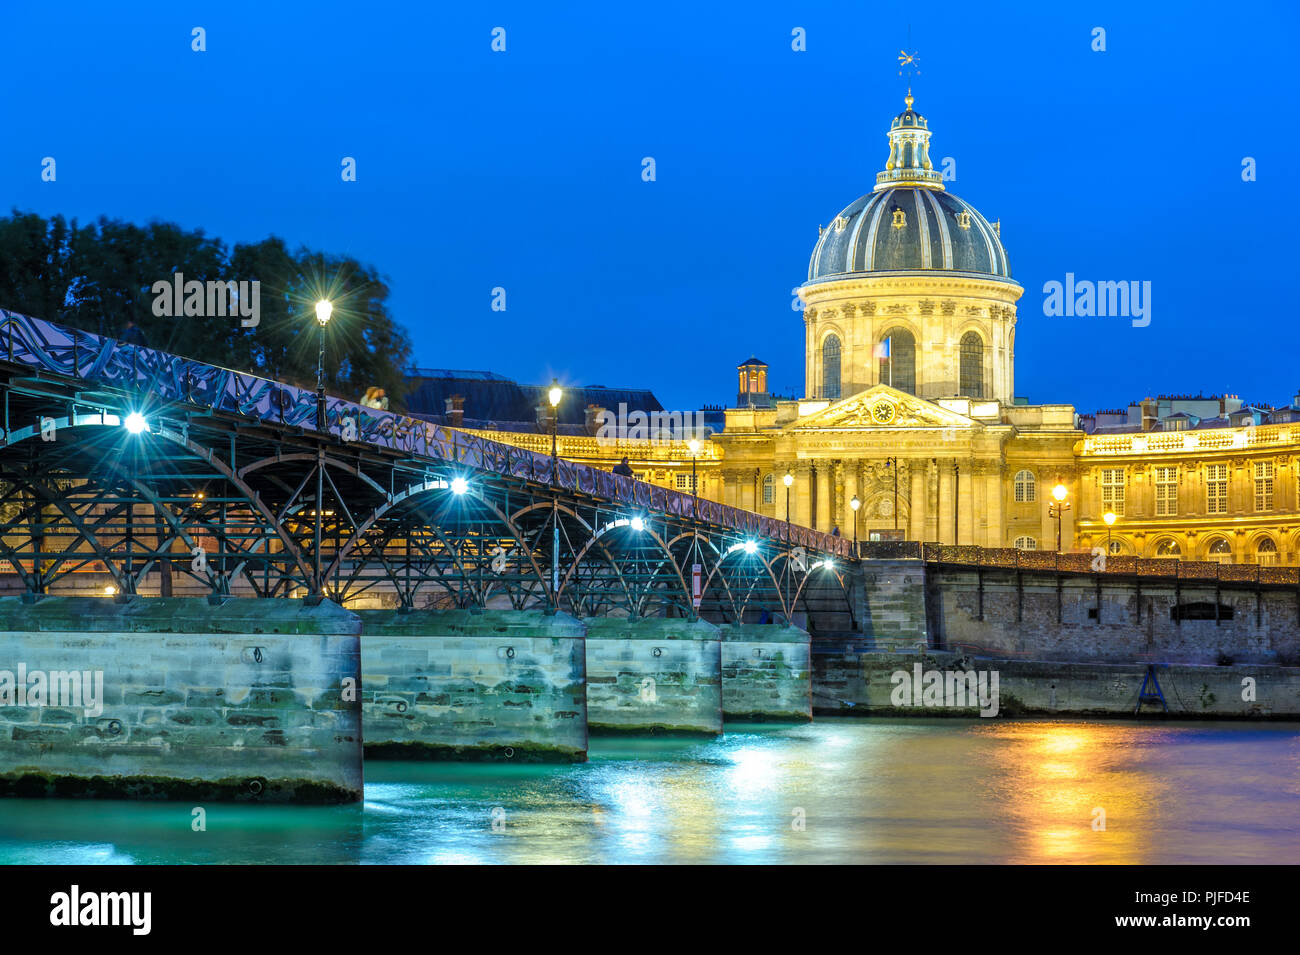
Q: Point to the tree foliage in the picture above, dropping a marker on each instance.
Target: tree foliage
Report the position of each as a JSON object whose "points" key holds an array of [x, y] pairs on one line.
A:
{"points": [[99, 277]]}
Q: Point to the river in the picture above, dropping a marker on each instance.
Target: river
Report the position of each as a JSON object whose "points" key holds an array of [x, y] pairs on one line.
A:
{"points": [[837, 790]]}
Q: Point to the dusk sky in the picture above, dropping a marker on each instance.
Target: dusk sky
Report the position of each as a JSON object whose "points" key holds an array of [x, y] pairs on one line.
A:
{"points": [[522, 169]]}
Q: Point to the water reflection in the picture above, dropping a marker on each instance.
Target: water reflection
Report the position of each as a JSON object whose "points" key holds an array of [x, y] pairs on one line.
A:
{"points": [[833, 791]]}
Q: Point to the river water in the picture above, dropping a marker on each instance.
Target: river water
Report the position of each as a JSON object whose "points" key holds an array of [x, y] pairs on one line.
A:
{"points": [[837, 790]]}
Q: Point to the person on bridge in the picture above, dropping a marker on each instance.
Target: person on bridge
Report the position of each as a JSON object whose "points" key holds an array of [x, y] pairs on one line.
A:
{"points": [[132, 335], [375, 398], [623, 468], [835, 531]]}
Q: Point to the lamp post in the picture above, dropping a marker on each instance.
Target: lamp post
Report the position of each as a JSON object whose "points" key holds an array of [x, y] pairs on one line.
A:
{"points": [[324, 309], [1109, 518], [1057, 508], [554, 396], [854, 504], [787, 481], [694, 446]]}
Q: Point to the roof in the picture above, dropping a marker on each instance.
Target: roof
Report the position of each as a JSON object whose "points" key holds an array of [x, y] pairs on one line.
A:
{"points": [[500, 401]]}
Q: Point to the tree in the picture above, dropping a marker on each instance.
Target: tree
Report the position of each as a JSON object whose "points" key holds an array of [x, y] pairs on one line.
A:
{"points": [[99, 277]]}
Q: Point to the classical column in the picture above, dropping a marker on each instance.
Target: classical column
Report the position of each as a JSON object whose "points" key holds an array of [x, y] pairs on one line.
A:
{"points": [[947, 492], [825, 499], [932, 508], [729, 484], [919, 503], [850, 491], [966, 503], [801, 495], [994, 490]]}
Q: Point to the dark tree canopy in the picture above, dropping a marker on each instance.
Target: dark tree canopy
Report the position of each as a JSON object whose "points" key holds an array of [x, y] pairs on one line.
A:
{"points": [[99, 277]]}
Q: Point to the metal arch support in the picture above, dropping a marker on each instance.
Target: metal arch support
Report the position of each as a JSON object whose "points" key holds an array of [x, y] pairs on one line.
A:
{"points": [[413, 491], [206, 455]]}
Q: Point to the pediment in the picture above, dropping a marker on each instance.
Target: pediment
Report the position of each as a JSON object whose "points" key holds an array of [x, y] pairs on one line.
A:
{"points": [[881, 406]]}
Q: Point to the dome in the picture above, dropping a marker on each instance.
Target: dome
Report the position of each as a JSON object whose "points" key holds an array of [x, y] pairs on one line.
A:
{"points": [[909, 222], [905, 229]]}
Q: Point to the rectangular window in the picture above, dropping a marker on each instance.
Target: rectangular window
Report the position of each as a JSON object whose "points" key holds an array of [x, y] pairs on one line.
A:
{"points": [[1166, 481], [1216, 489], [1263, 485], [1112, 490]]}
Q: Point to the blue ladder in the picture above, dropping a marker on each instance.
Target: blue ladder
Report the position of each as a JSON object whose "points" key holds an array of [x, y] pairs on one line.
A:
{"points": [[1152, 695]]}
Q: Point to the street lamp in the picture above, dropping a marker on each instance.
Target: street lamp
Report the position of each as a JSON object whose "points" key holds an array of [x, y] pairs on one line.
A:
{"points": [[324, 309], [1109, 518], [1057, 508], [787, 481], [854, 504], [694, 446], [554, 396]]}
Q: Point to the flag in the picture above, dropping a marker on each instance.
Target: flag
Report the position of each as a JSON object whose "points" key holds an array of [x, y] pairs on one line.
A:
{"points": [[880, 349]]}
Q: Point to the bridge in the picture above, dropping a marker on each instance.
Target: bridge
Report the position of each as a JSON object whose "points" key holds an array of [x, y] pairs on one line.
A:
{"points": [[251, 572], [222, 586], [174, 476]]}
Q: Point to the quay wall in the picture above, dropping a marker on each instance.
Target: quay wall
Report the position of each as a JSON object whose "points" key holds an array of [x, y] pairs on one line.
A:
{"points": [[461, 684], [654, 675], [240, 699]]}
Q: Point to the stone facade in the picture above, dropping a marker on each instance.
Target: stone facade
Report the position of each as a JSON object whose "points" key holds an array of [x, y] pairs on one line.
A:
{"points": [[456, 684], [766, 672], [654, 675], [245, 700]]}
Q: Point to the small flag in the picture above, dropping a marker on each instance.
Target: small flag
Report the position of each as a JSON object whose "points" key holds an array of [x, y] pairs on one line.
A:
{"points": [[880, 349]]}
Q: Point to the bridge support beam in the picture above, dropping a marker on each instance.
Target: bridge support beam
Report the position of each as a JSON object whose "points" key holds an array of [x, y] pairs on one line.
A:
{"points": [[179, 698], [654, 675], [460, 684], [766, 673]]}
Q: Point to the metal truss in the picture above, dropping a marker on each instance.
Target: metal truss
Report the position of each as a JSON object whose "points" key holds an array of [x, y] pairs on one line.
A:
{"points": [[196, 496]]}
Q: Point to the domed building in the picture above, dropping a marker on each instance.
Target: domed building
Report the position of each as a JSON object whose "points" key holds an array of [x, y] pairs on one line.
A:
{"points": [[909, 410], [909, 407], [911, 265]]}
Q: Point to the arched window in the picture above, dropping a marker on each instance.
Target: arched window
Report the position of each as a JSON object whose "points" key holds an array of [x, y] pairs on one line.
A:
{"points": [[899, 369], [1220, 551], [1266, 553], [1168, 548], [972, 365], [1026, 543], [769, 484], [1116, 547], [831, 367], [1026, 487]]}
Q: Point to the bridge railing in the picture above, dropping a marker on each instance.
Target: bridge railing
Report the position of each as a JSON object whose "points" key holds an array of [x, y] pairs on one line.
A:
{"points": [[1009, 558], [47, 347]]}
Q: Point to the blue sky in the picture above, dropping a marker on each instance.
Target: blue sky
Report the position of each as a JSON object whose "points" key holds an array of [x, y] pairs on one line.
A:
{"points": [[522, 169]]}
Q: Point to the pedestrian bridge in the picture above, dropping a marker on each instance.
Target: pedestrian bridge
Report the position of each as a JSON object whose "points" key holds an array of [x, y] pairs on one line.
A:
{"points": [[175, 477]]}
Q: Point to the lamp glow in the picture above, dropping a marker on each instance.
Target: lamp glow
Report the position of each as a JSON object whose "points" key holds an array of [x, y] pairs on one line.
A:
{"points": [[459, 485], [751, 547], [324, 309], [135, 422], [1109, 518], [788, 479], [855, 503], [1059, 492], [638, 524], [110, 590], [694, 445], [556, 393]]}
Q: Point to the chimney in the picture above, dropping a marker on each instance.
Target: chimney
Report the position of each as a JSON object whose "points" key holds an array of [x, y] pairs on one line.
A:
{"points": [[593, 419], [544, 413], [455, 410], [1150, 414]]}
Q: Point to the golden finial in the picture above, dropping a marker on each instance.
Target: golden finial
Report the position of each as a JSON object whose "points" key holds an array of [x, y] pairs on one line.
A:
{"points": [[908, 98]]}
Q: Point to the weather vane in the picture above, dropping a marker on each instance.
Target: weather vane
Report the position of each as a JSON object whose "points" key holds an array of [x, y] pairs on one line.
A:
{"points": [[909, 60]]}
